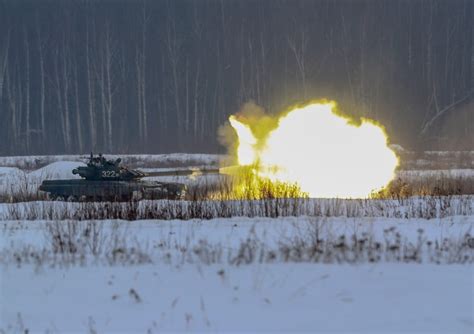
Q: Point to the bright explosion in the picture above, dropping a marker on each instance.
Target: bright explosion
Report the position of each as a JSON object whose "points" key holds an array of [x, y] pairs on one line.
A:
{"points": [[324, 153]]}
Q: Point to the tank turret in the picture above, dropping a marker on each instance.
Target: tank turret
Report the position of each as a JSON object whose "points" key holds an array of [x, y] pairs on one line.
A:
{"points": [[100, 169]]}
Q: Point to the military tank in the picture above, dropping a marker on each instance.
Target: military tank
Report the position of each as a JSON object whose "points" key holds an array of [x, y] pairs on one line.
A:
{"points": [[107, 180]]}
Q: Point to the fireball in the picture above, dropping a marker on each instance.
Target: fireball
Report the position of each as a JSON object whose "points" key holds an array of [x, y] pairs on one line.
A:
{"points": [[246, 151], [325, 154]]}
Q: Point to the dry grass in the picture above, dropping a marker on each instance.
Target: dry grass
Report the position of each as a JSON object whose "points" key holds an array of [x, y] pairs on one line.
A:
{"points": [[427, 186], [70, 243], [427, 207]]}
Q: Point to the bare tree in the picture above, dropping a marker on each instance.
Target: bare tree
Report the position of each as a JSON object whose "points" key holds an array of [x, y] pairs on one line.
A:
{"points": [[65, 89], [173, 46], [14, 101], [471, 9], [57, 88], [140, 62], [186, 109], [104, 77], [27, 89], [197, 35], [138, 65], [345, 43], [90, 90], [4, 61], [108, 50], [79, 130], [442, 111], [298, 46], [42, 78]]}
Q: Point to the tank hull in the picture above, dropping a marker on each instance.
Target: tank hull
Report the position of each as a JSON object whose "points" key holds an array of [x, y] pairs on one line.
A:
{"points": [[111, 190]]}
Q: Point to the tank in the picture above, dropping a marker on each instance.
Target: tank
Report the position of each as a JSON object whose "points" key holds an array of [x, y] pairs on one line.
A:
{"points": [[104, 179]]}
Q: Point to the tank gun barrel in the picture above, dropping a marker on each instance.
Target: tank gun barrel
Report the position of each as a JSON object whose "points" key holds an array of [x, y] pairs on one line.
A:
{"points": [[183, 172]]}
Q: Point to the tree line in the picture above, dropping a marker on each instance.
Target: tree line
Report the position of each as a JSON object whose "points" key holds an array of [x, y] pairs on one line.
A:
{"points": [[161, 76]]}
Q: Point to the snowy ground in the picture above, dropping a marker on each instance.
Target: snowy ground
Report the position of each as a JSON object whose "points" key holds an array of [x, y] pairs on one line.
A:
{"points": [[189, 279], [340, 265], [277, 297]]}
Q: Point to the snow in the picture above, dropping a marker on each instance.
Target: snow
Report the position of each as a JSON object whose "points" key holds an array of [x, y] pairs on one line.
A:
{"points": [[277, 297], [179, 290], [14, 181], [6, 172], [8, 177], [57, 170], [231, 232]]}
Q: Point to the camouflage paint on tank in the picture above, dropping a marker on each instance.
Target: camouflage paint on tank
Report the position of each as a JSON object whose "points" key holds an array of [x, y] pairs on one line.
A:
{"points": [[104, 179]]}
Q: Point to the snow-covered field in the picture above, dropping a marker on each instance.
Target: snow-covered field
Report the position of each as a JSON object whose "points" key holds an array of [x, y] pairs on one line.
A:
{"points": [[323, 298], [238, 274], [317, 266]]}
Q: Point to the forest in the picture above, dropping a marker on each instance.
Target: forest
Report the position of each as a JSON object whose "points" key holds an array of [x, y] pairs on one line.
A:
{"points": [[163, 76]]}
